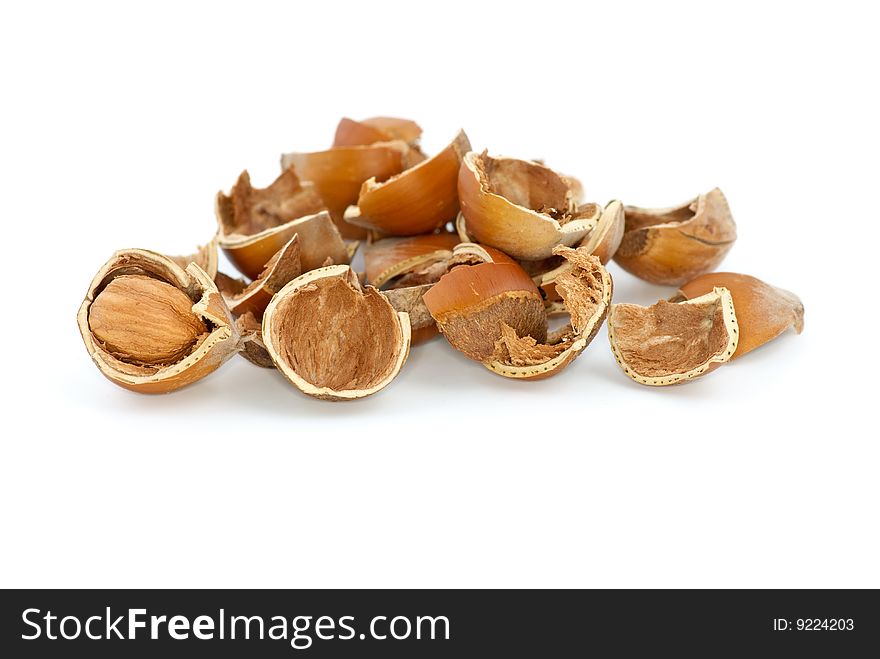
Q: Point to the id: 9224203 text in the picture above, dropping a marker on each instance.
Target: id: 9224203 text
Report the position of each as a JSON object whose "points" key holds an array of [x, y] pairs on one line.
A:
{"points": [[814, 624]]}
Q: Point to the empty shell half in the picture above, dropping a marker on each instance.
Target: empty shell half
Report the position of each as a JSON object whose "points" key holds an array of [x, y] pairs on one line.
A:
{"points": [[419, 199], [671, 342], [674, 245], [521, 207], [333, 339]]}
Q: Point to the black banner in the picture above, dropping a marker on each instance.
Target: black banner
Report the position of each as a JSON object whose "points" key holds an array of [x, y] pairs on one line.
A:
{"points": [[444, 623]]}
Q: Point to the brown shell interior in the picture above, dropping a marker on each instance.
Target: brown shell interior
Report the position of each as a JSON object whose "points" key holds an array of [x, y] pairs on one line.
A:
{"points": [[526, 184], [582, 290], [333, 335], [669, 338], [639, 218], [247, 210]]}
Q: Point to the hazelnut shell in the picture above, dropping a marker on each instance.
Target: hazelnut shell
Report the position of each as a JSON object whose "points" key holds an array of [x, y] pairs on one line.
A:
{"points": [[419, 199], [284, 266], [388, 258], [219, 345], [411, 300], [319, 240], [339, 172], [470, 303], [333, 339], [763, 312], [602, 239], [673, 245], [510, 204], [671, 342], [376, 129], [585, 289]]}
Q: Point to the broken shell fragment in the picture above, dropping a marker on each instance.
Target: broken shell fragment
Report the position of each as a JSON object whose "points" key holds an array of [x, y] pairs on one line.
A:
{"points": [[319, 240], [247, 210], [396, 129], [521, 207], [339, 172], [674, 245], [151, 326], [333, 339], [418, 200], [471, 302], [604, 240], [763, 312], [389, 258], [357, 133], [672, 342], [586, 289], [376, 129], [411, 300], [601, 242], [253, 224], [283, 267], [468, 253], [252, 347]]}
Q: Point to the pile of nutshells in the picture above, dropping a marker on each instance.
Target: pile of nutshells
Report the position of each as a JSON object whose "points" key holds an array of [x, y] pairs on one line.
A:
{"points": [[483, 250]]}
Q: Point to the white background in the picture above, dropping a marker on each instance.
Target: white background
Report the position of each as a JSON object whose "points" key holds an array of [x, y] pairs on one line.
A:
{"points": [[119, 124]]}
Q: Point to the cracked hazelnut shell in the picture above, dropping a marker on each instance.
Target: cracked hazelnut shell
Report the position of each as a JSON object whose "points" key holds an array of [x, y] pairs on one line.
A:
{"points": [[585, 289], [602, 242], [284, 266], [521, 207], [339, 172], [333, 339], [319, 240], [418, 200], [253, 224], [470, 302], [151, 326], [389, 258], [673, 245], [763, 312], [672, 342]]}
